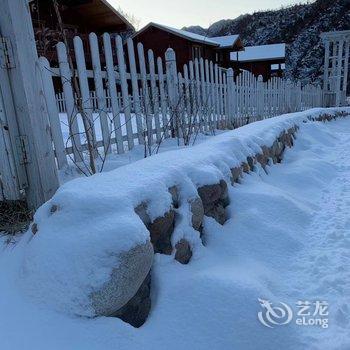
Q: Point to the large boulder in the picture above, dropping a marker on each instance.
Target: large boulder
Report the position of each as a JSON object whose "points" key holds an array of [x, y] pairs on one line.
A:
{"points": [[136, 310], [125, 280]]}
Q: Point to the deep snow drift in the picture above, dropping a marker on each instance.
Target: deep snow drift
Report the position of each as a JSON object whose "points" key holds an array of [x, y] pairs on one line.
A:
{"points": [[287, 240]]}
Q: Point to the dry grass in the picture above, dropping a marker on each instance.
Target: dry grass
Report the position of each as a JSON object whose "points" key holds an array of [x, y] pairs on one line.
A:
{"points": [[14, 216]]}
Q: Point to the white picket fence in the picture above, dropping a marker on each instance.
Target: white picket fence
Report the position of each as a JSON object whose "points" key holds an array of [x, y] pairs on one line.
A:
{"points": [[61, 102], [138, 99]]}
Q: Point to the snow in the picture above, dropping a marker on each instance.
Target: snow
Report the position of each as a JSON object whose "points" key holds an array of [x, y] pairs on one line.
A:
{"points": [[220, 41], [287, 239], [262, 52], [226, 41], [183, 33]]}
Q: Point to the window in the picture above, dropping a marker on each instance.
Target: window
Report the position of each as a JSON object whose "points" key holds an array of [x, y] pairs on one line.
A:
{"points": [[277, 66], [196, 52]]}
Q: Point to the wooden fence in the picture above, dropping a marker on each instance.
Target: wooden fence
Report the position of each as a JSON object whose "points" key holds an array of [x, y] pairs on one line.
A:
{"points": [[130, 98], [138, 99], [61, 102]]}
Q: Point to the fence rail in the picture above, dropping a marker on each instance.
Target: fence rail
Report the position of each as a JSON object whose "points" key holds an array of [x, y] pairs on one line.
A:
{"points": [[141, 99]]}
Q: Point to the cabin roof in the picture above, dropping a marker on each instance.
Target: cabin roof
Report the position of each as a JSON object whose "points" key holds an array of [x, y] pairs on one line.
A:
{"points": [[118, 14], [226, 41], [179, 32], [218, 42], [260, 53]]}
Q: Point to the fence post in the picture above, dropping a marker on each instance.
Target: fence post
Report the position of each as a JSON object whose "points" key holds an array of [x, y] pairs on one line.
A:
{"points": [[230, 97], [288, 96], [34, 130], [298, 99], [171, 76], [260, 100]]}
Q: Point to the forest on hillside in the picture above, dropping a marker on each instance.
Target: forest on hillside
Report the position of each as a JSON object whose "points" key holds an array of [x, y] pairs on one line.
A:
{"points": [[299, 26]]}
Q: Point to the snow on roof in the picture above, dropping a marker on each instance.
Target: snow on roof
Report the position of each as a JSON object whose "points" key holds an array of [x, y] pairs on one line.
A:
{"points": [[226, 41], [262, 52], [219, 41], [183, 33]]}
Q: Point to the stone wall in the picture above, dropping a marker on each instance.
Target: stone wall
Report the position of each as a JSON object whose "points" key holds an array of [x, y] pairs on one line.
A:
{"points": [[128, 293], [211, 201]]}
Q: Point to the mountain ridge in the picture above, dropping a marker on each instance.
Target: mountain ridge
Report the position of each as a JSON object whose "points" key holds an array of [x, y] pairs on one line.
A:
{"points": [[299, 26]]}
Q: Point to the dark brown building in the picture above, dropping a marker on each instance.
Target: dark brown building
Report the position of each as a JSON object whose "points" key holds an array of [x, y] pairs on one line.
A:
{"points": [[265, 60], [79, 17], [187, 45]]}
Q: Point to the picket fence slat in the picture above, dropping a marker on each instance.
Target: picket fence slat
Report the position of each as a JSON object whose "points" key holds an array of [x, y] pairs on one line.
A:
{"points": [[135, 90], [125, 94], [100, 92], [146, 101], [154, 94], [113, 92], [163, 100], [55, 125], [66, 79], [86, 105]]}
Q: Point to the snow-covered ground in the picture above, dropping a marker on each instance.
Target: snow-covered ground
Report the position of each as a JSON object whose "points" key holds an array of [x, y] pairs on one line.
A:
{"points": [[287, 240], [115, 160]]}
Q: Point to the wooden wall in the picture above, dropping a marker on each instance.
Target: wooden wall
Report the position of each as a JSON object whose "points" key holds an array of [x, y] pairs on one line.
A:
{"points": [[159, 41], [259, 67]]}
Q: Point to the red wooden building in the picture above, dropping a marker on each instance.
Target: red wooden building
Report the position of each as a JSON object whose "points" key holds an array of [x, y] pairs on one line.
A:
{"points": [[80, 17], [187, 45], [265, 60]]}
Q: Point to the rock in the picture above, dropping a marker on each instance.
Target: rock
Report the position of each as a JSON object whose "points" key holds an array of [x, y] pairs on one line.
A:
{"points": [[34, 228], [291, 131], [245, 167], [53, 208], [210, 193], [224, 198], [217, 212], [277, 149], [124, 281], [289, 140], [197, 210], [161, 230], [136, 310], [262, 159], [251, 162], [236, 174], [175, 196], [183, 251], [215, 199], [141, 211], [266, 151]]}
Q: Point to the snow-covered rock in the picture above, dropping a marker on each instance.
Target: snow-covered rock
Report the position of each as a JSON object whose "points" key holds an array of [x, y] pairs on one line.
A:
{"points": [[124, 280]]}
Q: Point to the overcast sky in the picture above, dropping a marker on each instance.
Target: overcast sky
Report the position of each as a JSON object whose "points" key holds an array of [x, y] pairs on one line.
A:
{"points": [[180, 13]]}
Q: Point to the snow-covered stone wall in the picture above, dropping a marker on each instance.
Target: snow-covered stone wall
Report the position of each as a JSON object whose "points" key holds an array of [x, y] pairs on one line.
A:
{"points": [[93, 242]]}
